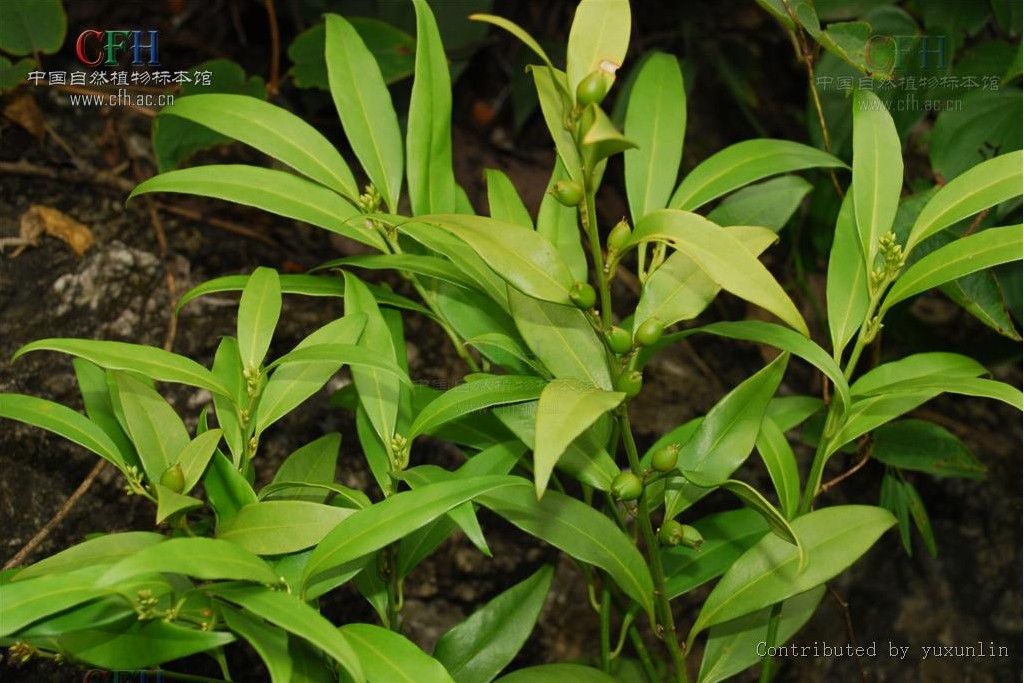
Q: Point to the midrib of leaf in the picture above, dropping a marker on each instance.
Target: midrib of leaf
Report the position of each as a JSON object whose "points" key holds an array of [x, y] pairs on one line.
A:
{"points": [[943, 265], [381, 656], [915, 238], [847, 314], [557, 329], [712, 179]]}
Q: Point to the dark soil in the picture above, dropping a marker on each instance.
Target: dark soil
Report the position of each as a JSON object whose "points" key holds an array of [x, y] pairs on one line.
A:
{"points": [[119, 290]]}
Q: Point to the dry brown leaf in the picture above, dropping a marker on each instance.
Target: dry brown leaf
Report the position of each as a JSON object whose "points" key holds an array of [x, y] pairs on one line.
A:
{"points": [[39, 220], [23, 110]]}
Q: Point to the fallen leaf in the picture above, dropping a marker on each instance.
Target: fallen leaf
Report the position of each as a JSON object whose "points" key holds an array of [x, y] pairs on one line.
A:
{"points": [[39, 220], [23, 110]]}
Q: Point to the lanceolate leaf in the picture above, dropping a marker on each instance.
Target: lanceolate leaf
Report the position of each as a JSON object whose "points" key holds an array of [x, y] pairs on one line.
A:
{"points": [[480, 647], [429, 137], [726, 436], [504, 201], [154, 426], [420, 264], [33, 599], [966, 255], [924, 447], [270, 642], [315, 462], [552, 92], [103, 550], [473, 396], [916, 366], [846, 290], [517, 31], [62, 421], [566, 409], [201, 558], [99, 407], [195, 456], [722, 257], [558, 224], [389, 657], [780, 461], [272, 130], [877, 171], [770, 203], [522, 257], [987, 184], [296, 617], [150, 361], [656, 122], [258, 312], [279, 192], [365, 108], [140, 644], [768, 573], [743, 163], [597, 40], [276, 527], [579, 530]]}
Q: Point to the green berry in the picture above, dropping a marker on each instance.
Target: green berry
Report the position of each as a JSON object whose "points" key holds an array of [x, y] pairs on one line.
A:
{"points": [[619, 236], [665, 458], [583, 295], [630, 383], [627, 486], [568, 192], [691, 537], [173, 478], [619, 340], [670, 533], [649, 332], [592, 89]]}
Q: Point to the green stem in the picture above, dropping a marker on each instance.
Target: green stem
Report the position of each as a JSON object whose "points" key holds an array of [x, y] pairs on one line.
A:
{"points": [[606, 630], [643, 655], [588, 217], [654, 558], [773, 634], [394, 588]]}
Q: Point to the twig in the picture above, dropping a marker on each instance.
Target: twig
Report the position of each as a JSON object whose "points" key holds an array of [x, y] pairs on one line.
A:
{"points": [[850, 633], [43, 533], [848, 473], [275, 48], [976, 223]]}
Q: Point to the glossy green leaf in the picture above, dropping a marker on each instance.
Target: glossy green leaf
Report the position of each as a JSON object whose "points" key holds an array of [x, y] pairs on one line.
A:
{"points": [[195, 456], [987, 184], [419, 264], [372, 528], [780, 461], [788, 412], [722, 257], [598, 40], [566, 409], [388, 657], [99, 406], [258, 312], [656, 121], [558, 223], [105, 611], [522, 257], [727, 535], [364, 105], [314, 462], [517, 31], [846, 290], [473, 316], [474, 396], [171, 503], [393, 48], [33, 599], [873, 411], [552, 91], [294, 616], [877, 171], [734, 645], [504, 201], [272, 130], [106, 549], [513, 354], [834, 538], [578, 530], [967, 386], [278, 192], [918, 513], [887, 376], [270, 642], [62, 421], [150, 361], [476, 650], [925, 447], [291, 383], [557, 673], [275, 527], [770, 204], [966, 255], [602, 138], [429, 137], [154, 426], [140, 645], [743, 163], [562, 339], [201, 558], [726, 436], [463, 515], [226, 489], [679, 290]]}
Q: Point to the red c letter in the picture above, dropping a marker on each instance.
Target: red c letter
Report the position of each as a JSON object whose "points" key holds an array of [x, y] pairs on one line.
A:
{"points": [[80, 47]]}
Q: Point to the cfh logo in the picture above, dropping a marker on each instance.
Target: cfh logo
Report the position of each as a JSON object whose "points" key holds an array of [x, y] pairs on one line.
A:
{"points": [[883, 53], [94, 48]]}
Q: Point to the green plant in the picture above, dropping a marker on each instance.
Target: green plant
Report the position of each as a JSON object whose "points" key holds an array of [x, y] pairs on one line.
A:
{"points": [[543, 416]]}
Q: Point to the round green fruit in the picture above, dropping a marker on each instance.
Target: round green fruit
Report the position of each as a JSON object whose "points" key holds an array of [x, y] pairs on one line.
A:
{"points": [[619, 236], [583, 295], [630, 383], [665, 458], [568, 192], [670, 533], [619, 340], [173, 478], [649, 332], [627, 486], [592, 89]]}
